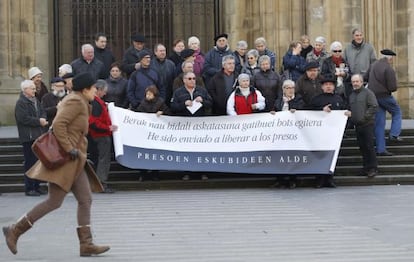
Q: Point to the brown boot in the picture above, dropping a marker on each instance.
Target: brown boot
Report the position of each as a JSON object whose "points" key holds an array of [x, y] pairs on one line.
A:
{"points": [[87, 248], [13, 232]]}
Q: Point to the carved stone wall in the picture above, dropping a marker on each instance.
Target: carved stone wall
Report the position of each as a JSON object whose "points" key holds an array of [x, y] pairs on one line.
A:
{"points": [[385, 23], [24, 38]]}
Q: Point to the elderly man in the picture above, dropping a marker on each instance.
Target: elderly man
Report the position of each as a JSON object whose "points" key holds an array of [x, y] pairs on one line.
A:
{"points": [[363, 106], [130, 61], [308, 85], [52, 99], [214, 57], [222, 85], [186, 66], [327, 101], [188, 96], [382, 81], [87, 63], [31, 123], [359, 54]]}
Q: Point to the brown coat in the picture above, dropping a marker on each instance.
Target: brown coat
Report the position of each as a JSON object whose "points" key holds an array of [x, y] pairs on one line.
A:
{"points": [[70, 128]]}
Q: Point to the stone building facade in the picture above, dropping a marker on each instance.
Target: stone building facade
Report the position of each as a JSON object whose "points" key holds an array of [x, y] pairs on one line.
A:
{"points": [[28, 31]]}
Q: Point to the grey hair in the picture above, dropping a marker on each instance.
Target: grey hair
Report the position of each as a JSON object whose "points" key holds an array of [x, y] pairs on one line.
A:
{"points": [[101, 84], [288, 82], [186, 62], [263, 58], [260, 40], [225, 58], [359, 76], [335, 45], [86, 46], [241, 44], [26, 84], [193, 39], [253, 52]]}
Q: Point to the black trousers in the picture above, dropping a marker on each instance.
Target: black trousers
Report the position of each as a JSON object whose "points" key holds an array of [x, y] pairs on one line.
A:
{"points": [[365, 138], [29, 160]]}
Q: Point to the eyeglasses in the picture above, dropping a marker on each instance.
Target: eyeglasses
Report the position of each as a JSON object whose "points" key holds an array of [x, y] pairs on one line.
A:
{"points": [[337, 51], [191, 78]]}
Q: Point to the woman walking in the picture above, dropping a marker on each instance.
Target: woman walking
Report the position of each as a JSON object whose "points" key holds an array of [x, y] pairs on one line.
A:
{"points": [[70, 127]]}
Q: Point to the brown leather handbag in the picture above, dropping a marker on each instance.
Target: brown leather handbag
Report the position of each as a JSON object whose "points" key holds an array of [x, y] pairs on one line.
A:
{"points": [[49, 152]]}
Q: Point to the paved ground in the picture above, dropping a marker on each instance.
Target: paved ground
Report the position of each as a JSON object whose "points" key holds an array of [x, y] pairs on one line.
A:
{"points": [[373, 223]]}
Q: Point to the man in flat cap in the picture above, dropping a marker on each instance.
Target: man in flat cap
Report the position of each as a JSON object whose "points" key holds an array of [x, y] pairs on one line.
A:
{"points": [[382, 80], [309, 85], [214, 57], [130, 60], [328, 100]]}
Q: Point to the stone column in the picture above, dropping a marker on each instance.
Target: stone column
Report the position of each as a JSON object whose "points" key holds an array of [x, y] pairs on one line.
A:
{"points": [[24, 38]]}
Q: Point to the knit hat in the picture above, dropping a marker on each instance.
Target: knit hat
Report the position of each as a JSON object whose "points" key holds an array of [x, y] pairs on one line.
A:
{"points": [[34, 71], [68, 75], [82, 81]]}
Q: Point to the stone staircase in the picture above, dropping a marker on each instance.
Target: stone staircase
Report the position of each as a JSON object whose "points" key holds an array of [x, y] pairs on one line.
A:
{"points": [[397, 169]]}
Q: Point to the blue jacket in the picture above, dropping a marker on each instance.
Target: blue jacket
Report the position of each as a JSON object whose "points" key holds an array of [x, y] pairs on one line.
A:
{"points": [[138, 82], [213, 62], [295, 64]]}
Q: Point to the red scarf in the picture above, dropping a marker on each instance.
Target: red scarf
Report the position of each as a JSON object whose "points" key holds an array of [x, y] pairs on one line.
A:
{"points": [[317, 53], [337, 60]]}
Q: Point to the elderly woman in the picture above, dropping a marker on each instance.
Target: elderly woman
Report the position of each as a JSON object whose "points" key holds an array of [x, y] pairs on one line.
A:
{"points": [[318, 53], [117, 87], [334, 66], [289, 100], [251, 66], [194, 43], [245, 99], [70, 128]]}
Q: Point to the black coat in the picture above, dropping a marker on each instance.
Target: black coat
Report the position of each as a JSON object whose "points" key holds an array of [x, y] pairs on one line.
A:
{"points": [[181, 95], [131, 57], [27, 116], [106, 57], [295, 103], [153, 106], [320, 101], [268, 83], [217, 90]]}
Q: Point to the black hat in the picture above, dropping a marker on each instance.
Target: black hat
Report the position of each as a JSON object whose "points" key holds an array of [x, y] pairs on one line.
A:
{"points": [[82, 81], [311, 65], [388, 52], [328, 79], [143, 53], [57, 80], [220, 36], [138, 38], [68, 75], [187, 53]]}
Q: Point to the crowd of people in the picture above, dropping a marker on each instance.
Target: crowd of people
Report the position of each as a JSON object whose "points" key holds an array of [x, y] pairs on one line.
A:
{"points": [[225, 82], [220, 82]]}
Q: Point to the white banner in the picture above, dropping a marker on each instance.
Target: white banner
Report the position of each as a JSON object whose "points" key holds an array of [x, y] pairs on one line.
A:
{"points": [[304, 142]]}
